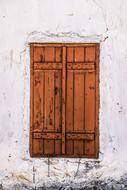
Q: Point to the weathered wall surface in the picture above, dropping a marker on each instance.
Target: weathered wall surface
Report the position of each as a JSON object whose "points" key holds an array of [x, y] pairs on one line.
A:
{"points": [[21, 22]]}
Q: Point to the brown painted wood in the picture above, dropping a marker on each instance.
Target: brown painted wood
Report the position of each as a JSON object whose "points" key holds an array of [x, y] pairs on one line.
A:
{"points": [[69, 110], [64, 100], [57, 99], [47, 66], [71, 136], [78, 109], [38, 99], [31, 99], [49, 100], [97, 100], [79, 54], [81, 66], [90, 54], [90, 109]]}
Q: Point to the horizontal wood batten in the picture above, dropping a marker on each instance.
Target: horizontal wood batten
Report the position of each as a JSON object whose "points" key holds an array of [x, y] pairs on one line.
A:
{"points": [[65, 99], [63, 44], [80, 66], [58, 136], [58, 66], [91, 156], [67, 131], [39, 66]]}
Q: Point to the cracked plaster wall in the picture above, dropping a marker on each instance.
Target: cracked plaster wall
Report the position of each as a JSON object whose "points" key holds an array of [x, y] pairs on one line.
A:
{"points": [[22, 22]]}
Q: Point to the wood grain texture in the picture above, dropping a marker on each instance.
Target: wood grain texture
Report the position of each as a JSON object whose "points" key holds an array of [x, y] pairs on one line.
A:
{"points": [[97, 100], [79, 54], [49, 100], [64, 100], [90, 54], [31, 99], [38, 100], [58, 136], [78, 109], [69, 110]]}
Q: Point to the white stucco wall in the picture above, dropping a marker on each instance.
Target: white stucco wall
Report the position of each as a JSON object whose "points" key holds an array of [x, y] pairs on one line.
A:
{"points": [[21, 22]]}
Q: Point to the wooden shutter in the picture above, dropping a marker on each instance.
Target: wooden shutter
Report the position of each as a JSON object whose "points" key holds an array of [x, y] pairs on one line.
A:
{"points": [[64, 100]]}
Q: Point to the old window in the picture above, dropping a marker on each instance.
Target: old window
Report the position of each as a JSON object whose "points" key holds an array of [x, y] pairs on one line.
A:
{"points": [[64, 100]]}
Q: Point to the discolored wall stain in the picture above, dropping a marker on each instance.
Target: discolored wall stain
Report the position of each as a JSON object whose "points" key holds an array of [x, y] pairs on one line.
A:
{"points": [[22, 22]]}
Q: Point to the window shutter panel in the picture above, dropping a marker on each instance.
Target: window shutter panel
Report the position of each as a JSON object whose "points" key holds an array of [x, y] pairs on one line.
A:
{"points": [[64, 100]]}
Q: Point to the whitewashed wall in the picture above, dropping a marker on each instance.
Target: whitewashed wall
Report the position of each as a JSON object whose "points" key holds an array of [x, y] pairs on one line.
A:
{"points": [[21, 22]]}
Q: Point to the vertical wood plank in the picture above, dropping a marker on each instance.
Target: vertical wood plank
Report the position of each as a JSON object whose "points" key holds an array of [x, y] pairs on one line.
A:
{"points": [[58, 54], [90, 110], [58, 147], [43, 119], [79, 101], [79, 54], [31, 98], [70, 54], [48, 146], [58, 111], [49, 54], [90, 102], [49, 100], [69, 111], [63, 99], [39, 54], [89, 148], [57, 94], [90, 54], [49, 110], [69, 101], [78, 109], [37, 146], [97, 101], [38, 100]]}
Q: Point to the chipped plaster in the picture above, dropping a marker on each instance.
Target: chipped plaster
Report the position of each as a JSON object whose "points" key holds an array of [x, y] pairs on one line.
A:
{"points": [[23, 22]]}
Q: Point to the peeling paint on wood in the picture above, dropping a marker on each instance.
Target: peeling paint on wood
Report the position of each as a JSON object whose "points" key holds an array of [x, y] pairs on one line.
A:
{"points": [[98, 21]]}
